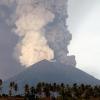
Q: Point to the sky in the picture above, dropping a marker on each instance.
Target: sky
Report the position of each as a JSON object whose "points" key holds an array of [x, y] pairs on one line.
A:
{"points": [[84, 25]]}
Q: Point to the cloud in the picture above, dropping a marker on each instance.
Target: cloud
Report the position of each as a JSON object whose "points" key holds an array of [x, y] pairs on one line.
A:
{"points": [[42, 31]]}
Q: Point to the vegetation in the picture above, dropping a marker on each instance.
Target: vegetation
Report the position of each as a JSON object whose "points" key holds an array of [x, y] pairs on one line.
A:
{"points": [[48, 91]]}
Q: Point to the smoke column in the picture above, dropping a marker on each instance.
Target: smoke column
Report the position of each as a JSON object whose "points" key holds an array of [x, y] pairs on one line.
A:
{"points": [[30, 23], [42, 31], [57, 34]]}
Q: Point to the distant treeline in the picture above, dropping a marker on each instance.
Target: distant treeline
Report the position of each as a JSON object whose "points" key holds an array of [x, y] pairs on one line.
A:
{"points": [[54, 91]]}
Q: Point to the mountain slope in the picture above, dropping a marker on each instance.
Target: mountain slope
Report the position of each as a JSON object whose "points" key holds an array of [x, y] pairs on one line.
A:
{"points": [[46, 71], [54, 72]]}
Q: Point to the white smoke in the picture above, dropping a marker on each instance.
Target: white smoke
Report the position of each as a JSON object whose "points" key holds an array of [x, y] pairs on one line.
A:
{"points": [[30, 24], [42, 30]]}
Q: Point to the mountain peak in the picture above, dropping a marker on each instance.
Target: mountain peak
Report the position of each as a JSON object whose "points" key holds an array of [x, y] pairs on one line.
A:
{"points": [[53, 72]]}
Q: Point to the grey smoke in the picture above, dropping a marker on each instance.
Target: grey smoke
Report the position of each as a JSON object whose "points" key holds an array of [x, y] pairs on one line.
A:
{"points": [[53, 31]]}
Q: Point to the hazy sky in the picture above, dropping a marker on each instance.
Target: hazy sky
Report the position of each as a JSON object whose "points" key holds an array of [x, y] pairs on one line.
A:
{"points": [[84, 24]]}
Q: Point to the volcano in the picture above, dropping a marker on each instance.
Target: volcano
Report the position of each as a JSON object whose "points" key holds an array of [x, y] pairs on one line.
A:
{"points": [[50, 72], [46, 71]]}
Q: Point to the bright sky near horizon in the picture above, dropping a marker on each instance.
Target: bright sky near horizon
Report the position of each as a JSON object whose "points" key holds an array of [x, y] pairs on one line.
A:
{"points": [[84, 24]]}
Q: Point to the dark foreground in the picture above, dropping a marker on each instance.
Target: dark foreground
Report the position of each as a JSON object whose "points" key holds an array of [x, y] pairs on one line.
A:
{"points": [[54, 91], [46, 98]]}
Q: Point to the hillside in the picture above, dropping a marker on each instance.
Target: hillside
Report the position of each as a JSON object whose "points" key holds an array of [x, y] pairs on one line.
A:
{"points": [[54, 72], [46, 71]]}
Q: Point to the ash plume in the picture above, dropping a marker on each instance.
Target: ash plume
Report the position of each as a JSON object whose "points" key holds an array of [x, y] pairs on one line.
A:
{"points": [[30, 23], [42, 31]]}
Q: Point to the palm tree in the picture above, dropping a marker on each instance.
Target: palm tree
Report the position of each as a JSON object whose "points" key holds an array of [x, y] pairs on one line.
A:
{"points": [[16, 88], [32, 93], [11, 86], [32, 90], [1, 87], [27, 89]]}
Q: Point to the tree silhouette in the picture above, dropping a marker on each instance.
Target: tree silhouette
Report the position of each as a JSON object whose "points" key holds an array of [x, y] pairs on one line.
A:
{"points": [[11, 86], [54, 91], [1, 87], [16, 88], [27, 91]]}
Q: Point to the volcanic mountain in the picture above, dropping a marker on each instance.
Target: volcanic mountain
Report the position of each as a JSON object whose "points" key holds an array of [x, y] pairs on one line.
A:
{"points": [[46, 71]]}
